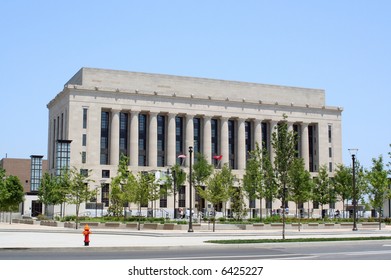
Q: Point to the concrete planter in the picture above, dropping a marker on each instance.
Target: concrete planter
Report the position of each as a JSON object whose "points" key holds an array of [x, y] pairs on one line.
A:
{"points": [[48, 223], [131, 225], [112, 224], [276, 225], [169, 226], [91, 224], [150, 226]]}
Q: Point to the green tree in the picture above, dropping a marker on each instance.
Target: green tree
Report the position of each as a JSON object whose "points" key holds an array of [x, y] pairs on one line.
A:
{"points": [[121, 188], [202, 171], [79, 190], [141, 191], [11, 193], [218, 188], [283, 143], [52, 191], [343, 183], [378, 185], [321, 192], [271, 187], [253, 179], [238, 206], [300, 182]]}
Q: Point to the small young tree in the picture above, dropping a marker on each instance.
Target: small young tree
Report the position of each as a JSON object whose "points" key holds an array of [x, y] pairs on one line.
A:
{"points": [[238, 206], [11, 193], [343, 184], [300, 182], [283, 143], [202, 171], [140, 192], [253, 179], [121, 188], [322, 187], [79, 190], [378, 185], [218, 188]]}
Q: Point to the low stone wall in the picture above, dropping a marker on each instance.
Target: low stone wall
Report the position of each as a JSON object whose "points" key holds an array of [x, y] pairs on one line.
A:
{"points": [[48, 223]]}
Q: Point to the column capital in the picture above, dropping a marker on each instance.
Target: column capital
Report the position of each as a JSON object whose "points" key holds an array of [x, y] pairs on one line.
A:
{"points": [[115, 110], [153, 114]]}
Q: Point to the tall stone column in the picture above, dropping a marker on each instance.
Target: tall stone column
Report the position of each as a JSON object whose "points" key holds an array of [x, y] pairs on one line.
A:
{"points": [[241, 144], [189, 141], [224, 141], [152, 140], [258, 133], [305, 148], [171, 151], [207, 139], [114, 137], [134, 138]]}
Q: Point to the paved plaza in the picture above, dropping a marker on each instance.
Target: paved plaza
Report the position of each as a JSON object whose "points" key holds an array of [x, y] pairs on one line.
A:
{"points": [[36, 236]]}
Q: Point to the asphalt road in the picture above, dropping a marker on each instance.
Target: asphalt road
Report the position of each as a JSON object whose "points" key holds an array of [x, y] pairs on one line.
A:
{"points": [[341, 250]]}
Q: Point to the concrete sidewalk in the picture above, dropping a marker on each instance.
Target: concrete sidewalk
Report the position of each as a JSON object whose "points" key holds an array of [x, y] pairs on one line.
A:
{"points": [[36, 236]]}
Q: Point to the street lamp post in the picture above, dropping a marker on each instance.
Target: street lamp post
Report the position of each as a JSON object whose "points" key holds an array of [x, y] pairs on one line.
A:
{"points": [[174, 178], [353, 152], [191, 191]]}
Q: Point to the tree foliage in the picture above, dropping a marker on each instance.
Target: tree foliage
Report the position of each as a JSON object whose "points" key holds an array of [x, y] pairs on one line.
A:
{"points": [[284, 145], [11, 192], [218, 187], [300, 182], [378, 184]]}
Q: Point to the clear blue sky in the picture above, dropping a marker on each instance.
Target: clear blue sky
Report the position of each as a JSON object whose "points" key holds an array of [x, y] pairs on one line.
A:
{"points": [[343, 47]]}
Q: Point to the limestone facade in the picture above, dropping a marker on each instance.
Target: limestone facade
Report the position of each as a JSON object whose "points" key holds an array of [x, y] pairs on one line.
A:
{"points": [[154, 118]]}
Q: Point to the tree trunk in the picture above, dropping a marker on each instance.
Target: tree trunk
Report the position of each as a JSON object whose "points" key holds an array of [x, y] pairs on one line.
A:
{"points": [[380, 218]]}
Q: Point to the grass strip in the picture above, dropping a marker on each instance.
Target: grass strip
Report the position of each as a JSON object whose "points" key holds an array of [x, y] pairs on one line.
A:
{"points": [[287, 240]]}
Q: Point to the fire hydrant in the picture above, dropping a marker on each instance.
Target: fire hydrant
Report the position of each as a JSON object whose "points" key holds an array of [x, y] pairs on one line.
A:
{"points": [[86, 234]]}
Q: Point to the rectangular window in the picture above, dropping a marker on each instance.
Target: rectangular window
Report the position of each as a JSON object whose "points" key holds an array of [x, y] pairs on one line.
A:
{"points": [[179, 138], [62, 126], [123, 134], [231, 144], [104, 138], [265, 136], [163, 197], [105, 173], [182, 196], [197, 135], [85, 111], [84, 140], [330, 152], [297, 139], [83, 157], [36, 172], [161, 140], [105, 194], [330, 133], [248, 138], [330, 167], [315, 205], [251, 203], [142, 140], [215, 140], [84, 172], [63, 153]]}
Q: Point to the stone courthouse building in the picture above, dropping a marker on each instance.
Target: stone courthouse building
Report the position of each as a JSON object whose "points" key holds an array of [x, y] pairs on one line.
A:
{"points": [[154, 119]]}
